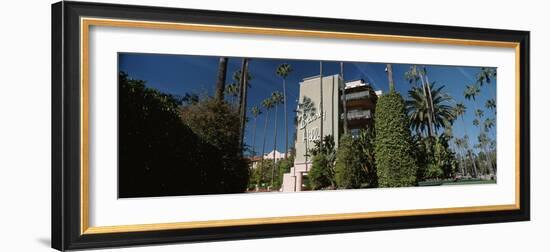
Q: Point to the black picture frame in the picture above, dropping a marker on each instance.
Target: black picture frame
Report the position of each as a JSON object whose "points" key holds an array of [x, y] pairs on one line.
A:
{"points": [[66, 114]]}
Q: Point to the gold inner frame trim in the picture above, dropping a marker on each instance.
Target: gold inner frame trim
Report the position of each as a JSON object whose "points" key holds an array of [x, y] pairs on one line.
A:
{"points": [[85, 24]]}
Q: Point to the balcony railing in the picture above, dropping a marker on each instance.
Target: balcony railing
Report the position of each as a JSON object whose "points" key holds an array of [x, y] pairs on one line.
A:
{"points": [[357, 95], [359, 114]]}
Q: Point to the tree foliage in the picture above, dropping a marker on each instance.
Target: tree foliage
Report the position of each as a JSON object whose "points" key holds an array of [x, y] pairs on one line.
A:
{"points": [[217, 124], [395, 163], [365, 143], [283, 166], [322, 172], [444, 160], [161, 154], [349, 172], [419, 109], [261, 175]]}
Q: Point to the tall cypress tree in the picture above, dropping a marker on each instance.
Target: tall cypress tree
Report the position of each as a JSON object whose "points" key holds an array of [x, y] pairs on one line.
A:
{"points": [[395, 163]]}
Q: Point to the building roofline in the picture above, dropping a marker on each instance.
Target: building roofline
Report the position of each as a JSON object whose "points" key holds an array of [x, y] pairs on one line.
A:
{"points": [[360, 79], [317, 77]]}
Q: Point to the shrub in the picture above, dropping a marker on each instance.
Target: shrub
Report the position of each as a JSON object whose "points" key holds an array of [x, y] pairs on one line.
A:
{"points": [[349, 168], [394, 157], [321, 174], [444, 158], [433, 171], [261, 175], [365, 142]]}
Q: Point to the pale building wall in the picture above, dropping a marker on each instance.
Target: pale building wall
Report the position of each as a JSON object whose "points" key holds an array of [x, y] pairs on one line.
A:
{"points": [[310, 87], [289, 182], [278, 155]]}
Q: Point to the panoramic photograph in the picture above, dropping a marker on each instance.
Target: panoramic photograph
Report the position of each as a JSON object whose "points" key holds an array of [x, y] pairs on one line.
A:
{"points": [[196, 125]]}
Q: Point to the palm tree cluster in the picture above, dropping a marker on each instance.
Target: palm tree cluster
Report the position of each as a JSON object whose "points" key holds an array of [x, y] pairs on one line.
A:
{"points": [[484, 163], [272, 102], [431, 109]]}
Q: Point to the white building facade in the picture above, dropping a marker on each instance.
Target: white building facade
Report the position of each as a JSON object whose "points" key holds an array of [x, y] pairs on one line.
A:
{"points": [[329, 113], [308, 131]]}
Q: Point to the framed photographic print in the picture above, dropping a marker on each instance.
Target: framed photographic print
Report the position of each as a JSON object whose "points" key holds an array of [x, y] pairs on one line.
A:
{"points": [[179, 125]]}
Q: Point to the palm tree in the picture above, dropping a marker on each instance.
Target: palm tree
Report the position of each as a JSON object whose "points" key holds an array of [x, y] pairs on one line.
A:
{"points": [[239, 79], [488, 124], [255, 111], [237, 75], [479, 113], [276, 99], [485, 75], [475, 122], [458, 143], [491, 105], [414, 75], [484, 143], [345, 109], [389, 70], [220, 82], [419, 110], [466, 146], [284, 70], [306, 110], [268, 105], [242, 98], [471, 92], [233, 91], [459, 111]]}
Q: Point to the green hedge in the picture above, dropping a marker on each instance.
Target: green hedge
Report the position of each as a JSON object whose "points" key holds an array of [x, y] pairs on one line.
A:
{"points": [[394, 157]]}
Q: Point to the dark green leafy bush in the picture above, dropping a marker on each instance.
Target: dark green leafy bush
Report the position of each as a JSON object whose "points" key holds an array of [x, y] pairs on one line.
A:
{"points": [[395, 162]]}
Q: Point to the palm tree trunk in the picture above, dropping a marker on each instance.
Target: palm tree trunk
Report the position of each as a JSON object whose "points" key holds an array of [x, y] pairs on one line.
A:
{"points": [[274, 147], [389, 70], [474, 163], [265, 133], [489, 161], [242, 101], [254, 137], [469, 155], [427, 100], [286, 126], [345, 109], [220, 83], [321, 103], [430, 99], [463, 163]]}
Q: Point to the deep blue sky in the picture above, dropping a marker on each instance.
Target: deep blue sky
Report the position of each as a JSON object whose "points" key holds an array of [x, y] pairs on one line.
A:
{"points": [[180, 74]]}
